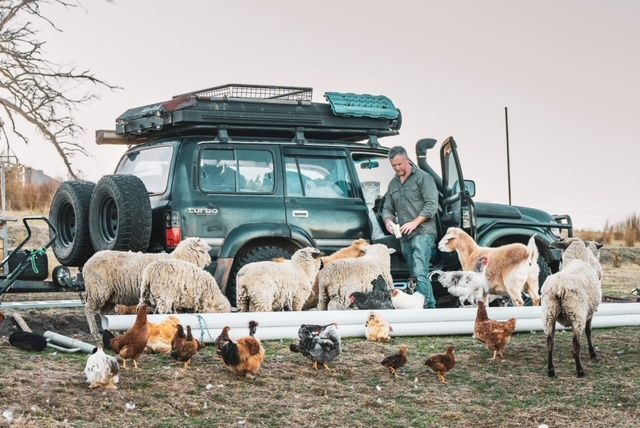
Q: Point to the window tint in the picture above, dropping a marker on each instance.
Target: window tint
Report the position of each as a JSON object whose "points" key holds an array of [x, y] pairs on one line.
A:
{"points": [[236, 171], [149, 165], [318, 177]]}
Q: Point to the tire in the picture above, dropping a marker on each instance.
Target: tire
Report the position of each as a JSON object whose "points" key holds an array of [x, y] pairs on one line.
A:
{"points": [[257, 254], [120, 214], [69, 214]]}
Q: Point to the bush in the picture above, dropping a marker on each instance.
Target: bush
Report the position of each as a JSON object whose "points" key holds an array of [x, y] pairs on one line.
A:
{"points": [[28, 197]]}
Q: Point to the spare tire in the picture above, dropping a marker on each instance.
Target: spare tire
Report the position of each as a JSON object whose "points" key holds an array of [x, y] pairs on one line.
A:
{"points": [[120, 214], [69, 214]]}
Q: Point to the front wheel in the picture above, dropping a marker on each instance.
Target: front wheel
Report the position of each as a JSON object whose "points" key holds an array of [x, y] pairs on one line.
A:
{"points": [[258, 254]]}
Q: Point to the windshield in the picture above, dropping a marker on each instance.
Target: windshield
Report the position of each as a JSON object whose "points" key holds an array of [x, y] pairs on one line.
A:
{"points": [[149, 165]]}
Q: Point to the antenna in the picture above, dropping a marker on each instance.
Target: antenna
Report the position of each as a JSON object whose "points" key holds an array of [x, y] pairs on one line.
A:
{"points": [[506, 125]]}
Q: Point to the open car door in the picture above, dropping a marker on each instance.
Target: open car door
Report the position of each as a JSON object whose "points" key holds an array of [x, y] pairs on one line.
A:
{"points": [[458, 209]]}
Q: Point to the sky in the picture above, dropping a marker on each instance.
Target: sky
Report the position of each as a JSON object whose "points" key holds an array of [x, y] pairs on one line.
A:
{"points": [[567, 71]]}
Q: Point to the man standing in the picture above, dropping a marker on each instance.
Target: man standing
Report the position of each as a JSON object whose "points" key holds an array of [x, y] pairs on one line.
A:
{"points": [[412, 199]]}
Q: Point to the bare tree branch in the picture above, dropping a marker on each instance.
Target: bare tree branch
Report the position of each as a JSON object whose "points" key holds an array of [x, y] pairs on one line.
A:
{"points": [[36, 93]]}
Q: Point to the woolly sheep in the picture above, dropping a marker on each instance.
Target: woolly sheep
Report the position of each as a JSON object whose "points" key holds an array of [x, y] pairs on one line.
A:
{"points": [[114, 277], [172, 286], [278, 285], [337, 281], [571, 297]]}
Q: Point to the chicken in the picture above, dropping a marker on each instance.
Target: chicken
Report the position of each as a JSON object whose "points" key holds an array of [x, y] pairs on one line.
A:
{"points": [[1, 318], [395, 361], [377, 328], [187, 348], [402, 300], [102, 370], [378, 298], [442, 363], [161, 335], [222, 339], [466, 286], [319, 343], [126, 309], [245, 356], [496, 335], [177, 340], [132, 343]]}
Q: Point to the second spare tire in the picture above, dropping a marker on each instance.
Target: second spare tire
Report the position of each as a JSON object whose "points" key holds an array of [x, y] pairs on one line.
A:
{"points": [[120, 214]]}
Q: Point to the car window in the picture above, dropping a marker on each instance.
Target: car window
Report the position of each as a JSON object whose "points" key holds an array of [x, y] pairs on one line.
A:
{"points": [[375, 173], [236, 171], [149, 165], [317, 177]]}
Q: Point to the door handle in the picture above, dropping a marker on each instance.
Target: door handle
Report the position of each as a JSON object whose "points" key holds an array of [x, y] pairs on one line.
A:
{"points": [[301, 213]]}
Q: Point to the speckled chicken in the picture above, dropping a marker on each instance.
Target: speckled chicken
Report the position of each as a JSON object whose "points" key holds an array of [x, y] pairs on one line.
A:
{"points": [[378, 298], [319, 343], [442, 363]]}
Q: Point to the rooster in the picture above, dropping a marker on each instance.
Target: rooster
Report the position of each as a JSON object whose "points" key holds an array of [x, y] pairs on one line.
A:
{"points": [[395, 361], [102, 370], [496, 335], [442, 363], [132, 343], [319, 343], [402, 300], [378, 298], [245, 356], [466, 286]]}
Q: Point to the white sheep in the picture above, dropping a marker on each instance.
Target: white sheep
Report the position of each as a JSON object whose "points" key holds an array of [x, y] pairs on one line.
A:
{"points": [[571, 297], [338, 280], [172, 286], [114, 277], [278, 285]]}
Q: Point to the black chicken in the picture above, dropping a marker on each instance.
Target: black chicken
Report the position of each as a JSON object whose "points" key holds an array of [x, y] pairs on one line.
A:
{"points": [[395, 361], [319, 343], [378, 298]]}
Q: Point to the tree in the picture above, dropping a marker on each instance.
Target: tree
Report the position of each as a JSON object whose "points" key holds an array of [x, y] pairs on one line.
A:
{"points": [[36, 93]]}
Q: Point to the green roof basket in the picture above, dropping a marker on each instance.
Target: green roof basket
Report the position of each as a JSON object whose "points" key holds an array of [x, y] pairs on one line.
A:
{"points": [[362, 105]]}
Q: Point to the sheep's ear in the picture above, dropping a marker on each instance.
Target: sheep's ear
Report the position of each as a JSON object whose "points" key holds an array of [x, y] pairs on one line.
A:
{"points": [[391, 250], [598, 244], [562, 245]]}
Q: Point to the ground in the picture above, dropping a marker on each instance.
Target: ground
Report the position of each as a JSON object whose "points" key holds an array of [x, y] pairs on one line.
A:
{"points": [[49, 388]]}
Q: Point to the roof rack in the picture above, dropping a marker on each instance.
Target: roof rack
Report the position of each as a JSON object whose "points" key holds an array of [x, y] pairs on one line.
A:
{"points": [[262, 92]]}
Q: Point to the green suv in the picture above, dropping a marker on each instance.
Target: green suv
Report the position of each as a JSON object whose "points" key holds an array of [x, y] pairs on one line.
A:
{"points": [[260, 171]]}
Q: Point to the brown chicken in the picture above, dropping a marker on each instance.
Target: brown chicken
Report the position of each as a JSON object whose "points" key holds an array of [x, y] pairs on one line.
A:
{"points": [[132, 343], [126, 309], [177, 339], [187, 348], [496, 335], [222, 339], [161, 335], [245, 356], [442, 363], [1, 317], [395, 361]]}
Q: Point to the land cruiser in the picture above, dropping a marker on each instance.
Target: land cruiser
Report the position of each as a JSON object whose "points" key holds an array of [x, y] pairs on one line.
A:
{"points": [[260, 171]]}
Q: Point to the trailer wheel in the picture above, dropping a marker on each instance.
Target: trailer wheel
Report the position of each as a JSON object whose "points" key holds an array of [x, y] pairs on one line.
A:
{"points": [[69, 214], [120, 214]]}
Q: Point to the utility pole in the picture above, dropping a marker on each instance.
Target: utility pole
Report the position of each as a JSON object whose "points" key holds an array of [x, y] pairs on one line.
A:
{"points": [[506, 125]]}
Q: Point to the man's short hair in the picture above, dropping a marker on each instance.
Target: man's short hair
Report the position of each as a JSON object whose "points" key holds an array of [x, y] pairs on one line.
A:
{"points": [[397, 151]]}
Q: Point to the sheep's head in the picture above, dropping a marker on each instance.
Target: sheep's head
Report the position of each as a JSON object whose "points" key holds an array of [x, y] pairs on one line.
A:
{"points": [[449, 242], [193, 250], [379, 249], [360, 245]]}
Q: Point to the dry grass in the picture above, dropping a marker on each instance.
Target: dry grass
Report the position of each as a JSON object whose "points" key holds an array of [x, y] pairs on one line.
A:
{"points": [[623, 233]]}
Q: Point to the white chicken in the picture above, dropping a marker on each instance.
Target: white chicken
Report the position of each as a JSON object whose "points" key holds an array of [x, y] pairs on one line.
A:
{"points": [[102, 370], [466, 286], [402, 300]]}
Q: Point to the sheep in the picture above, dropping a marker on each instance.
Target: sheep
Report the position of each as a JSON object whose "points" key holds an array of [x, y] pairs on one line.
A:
{"points": [[356, 249], [114, 277], [571, 297], [511, 268], [337, 281], [278, 285]]}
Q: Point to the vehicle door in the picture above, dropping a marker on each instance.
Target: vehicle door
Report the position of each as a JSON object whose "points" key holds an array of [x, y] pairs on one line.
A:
{"points": [[321, 198], [238, 183], [458, 208]]}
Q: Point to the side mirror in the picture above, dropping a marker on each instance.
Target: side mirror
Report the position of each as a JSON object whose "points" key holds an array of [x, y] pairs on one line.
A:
{"points": [[470, 185]]}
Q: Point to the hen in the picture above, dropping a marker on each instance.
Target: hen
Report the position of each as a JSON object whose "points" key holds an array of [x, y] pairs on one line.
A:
{"points": [[102, 370], [245, 356], [185, 349], [132, 343], [496, 335], [319, 343], [222, 339], [466, 286], [378, 298], [160, 335], [177, 339], [378, 328], [402, 300], [442, 363], [395, 361]]}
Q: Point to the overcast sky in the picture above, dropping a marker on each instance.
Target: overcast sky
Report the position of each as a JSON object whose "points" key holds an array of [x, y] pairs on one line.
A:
{"points": [[567, 70]]}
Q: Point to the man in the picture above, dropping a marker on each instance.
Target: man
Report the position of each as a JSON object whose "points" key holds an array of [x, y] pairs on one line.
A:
{"points": [[412, 198]]}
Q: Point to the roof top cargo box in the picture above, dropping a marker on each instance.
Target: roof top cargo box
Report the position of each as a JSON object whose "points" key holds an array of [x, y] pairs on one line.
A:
{"points": [[269, 111]]}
